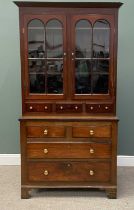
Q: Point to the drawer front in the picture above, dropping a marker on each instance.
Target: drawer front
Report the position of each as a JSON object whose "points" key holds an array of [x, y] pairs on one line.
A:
{"points": [[63, 108], [68, 150], [98, 131], [69, 171], [45, 131], [36, 107], [100, 108]]}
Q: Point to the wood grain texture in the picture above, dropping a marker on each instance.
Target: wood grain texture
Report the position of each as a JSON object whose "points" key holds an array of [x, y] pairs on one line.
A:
{"points": [[69, 171], [68, 140], [45, 131], [94, 131], [68, 150]]}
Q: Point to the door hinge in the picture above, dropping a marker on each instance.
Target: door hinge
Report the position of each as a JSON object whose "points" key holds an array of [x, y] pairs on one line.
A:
{"points": [[23, 30]]}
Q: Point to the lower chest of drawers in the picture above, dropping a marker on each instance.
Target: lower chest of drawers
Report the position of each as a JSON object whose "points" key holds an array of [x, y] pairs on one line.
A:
{"points": [[68, 152]]}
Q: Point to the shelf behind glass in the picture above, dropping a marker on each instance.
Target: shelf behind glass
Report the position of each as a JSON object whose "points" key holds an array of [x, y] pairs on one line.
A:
{"points": [[92, 29], [92, 58], [45, 58]]}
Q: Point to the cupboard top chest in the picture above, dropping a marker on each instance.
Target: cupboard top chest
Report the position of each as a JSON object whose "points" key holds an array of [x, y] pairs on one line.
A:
{"points": [[68, 57]]}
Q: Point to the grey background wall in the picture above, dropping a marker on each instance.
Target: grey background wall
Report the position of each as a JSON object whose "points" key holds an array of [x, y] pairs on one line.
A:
{"points": [[10, 81]]}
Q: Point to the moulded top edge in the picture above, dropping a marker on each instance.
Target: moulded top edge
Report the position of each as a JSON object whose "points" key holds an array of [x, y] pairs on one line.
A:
{"points": [[69, 118], [69, 4]]}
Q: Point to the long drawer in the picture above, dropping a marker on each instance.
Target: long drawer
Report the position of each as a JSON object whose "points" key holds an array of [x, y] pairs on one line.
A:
{"points": [[68, 150], [69, 171]]}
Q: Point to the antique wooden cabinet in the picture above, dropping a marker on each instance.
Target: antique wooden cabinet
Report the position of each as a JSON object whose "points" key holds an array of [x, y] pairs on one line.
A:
{"points": [[68, 128]]}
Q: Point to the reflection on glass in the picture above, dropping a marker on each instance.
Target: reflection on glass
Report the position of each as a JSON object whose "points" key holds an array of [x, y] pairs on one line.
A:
{"points": [[36, 39], [54, 39], [101, 35], [83, 77], [83, 44], [92, 57], [82, 53], [37, 76], [100, 66], [55, 77], [99, 84], [45, 56]]}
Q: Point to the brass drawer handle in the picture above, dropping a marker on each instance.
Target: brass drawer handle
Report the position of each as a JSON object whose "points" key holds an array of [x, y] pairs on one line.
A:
{"points": [[46, 172], [91, 132], [69, 165], [45, 132], [91, 150], [91, 107], [61, 107], [45, 107], [91, 172], [76, 107], [106, 107], [45, 151], [30, 107]]}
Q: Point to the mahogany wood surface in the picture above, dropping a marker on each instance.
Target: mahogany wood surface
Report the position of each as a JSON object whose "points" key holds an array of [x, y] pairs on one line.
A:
{"points": [[68, 140], [68, 171], [68, 150]]}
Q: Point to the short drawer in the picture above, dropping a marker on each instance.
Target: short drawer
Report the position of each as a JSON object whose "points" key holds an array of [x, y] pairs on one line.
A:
{"points": [[68, 150], [63, 108], [38, 107], [69, 171], [45, 131], [100, 108], [100, 131]]}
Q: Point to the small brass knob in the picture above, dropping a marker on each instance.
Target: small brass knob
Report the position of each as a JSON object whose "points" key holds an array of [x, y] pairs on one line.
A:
{"points": [[46, 107], [72, 53], [68, 165], [30, 107], [91, 132], [65, 53], [91, 150], [76, 107], [91, 107], [106, 107], [61, 107], [45, 151], [45, 132], [91, 172], [46, 172]]}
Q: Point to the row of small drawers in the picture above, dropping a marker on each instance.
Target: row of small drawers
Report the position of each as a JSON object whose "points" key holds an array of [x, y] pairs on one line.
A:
{"points": [[69, 171], [64, 108], [100, 131]]}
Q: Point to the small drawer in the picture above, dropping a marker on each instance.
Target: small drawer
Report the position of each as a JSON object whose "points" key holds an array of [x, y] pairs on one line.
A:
{"points": [[69, 171], [63, 108], [100, 108], [100, 131], [45, 131], [36, 107], [68, 150]]}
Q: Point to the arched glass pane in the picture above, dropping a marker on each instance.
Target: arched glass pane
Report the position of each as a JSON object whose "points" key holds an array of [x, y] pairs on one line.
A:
{"points": [[83, 46], [54, 39], [101, 57], [36, 56], [54, 51], [101, 38], [36, 39]]}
